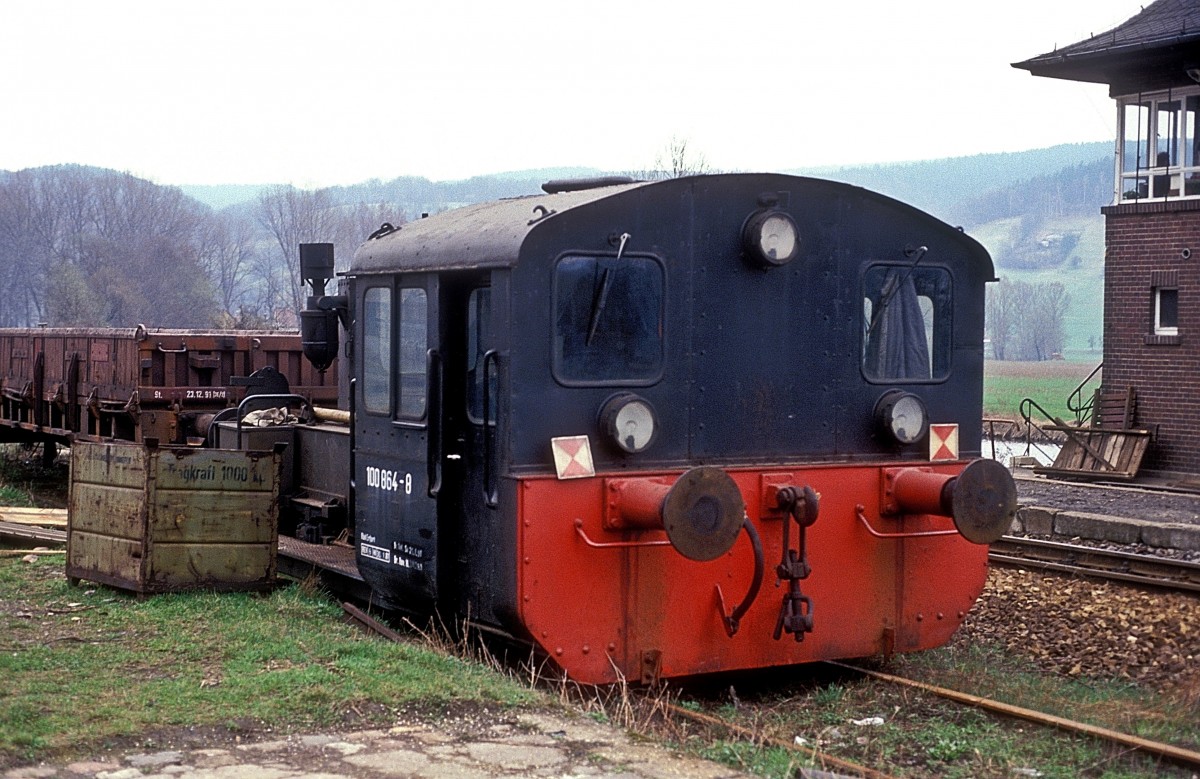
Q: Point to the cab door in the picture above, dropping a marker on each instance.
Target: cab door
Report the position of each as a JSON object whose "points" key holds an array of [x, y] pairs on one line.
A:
{"points": [[397, 370], [470, 522]]}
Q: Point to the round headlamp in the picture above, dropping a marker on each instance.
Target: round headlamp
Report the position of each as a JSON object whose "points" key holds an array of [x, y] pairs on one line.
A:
{"points": [[629, 421], [902, 416], [771, 238]]}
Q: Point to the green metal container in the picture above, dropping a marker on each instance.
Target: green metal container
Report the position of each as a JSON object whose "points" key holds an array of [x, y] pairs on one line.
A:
{"points": [[156, 519]]}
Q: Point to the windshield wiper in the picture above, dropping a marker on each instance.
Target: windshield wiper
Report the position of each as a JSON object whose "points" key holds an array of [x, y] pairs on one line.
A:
{"points": [[601, 295], [919, 253], [598, 301]]}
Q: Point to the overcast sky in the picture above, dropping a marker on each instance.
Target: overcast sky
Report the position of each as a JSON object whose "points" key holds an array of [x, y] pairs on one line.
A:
{"points": [[320, 93]]}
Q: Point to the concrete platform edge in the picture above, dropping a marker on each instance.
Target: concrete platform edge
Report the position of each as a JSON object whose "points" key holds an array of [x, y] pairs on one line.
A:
{"points": [[1038, 520]]}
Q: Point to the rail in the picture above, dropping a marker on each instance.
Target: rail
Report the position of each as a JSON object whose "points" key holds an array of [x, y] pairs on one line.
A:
{"points": [[1097, 563], [811, 756], [1169, 751]]}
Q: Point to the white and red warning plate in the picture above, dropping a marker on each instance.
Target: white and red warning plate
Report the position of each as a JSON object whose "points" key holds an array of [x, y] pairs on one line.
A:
{"points": [[943, 442], [573, 457]]}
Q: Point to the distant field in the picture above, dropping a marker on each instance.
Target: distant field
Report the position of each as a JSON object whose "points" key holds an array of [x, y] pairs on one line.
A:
{"points": [[1007, 383]]}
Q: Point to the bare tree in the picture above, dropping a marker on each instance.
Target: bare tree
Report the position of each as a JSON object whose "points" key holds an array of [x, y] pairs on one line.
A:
{"points": [[676, 160], [1001, 315], [292, 216], [1027, 321], [226, 252], [24, 259], [1044, 332], [91, 247], [680, 161]]}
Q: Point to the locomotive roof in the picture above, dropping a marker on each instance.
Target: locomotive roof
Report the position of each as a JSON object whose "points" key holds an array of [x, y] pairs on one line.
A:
{"points": [[483, 235], [490, 235]]}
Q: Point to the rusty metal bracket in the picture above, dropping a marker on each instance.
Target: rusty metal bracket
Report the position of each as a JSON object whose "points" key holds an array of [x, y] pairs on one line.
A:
{"points": [[769, 486], [860, 511], [651, 666]]}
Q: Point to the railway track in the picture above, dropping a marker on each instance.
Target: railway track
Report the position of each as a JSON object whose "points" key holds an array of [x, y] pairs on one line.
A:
{"points": [[1139, 569], [1145, 570], [817, 762], [1179, 755]]}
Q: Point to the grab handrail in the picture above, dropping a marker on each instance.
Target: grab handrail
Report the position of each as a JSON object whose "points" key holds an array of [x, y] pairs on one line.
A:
{"points": [[1026, 412], [1083, 409]]}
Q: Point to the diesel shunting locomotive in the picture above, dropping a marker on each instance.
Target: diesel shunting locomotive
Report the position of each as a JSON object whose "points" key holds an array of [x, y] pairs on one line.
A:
{"points": [[657, 428], [668, 428]]}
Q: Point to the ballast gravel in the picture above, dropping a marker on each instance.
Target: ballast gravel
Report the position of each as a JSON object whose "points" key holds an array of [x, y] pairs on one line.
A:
{"points": [[1081, 628]]}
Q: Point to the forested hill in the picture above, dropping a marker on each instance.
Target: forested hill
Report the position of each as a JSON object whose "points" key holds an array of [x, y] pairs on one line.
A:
{"points": [[1037, 212], [416, 194], [961, 190], [967, 191], [81, 245], [978, 189]]}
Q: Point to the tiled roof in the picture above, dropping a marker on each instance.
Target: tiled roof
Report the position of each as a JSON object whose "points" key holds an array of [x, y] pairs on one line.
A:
{"points": [[1160, 22], [1164, 25]]}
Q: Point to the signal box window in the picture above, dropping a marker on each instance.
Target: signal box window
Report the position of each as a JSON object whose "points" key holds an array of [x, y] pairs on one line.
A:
{"points": [[1160, 145], [413, 337], [1166, 311], [608, 326], [906, 323], [377, 350]]}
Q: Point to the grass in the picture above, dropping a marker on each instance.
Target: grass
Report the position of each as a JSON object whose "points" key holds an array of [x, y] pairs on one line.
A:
{"points": [[1049, 383], [24, 481], [147, 668], [14, 496]]}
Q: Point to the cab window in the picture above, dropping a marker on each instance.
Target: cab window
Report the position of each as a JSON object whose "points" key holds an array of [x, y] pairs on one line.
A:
{"points": [[377, 350], [608, 324], [906, 323], [414, 344]]}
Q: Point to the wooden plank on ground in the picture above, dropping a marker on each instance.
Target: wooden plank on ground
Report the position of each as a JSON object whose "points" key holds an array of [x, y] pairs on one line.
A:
{"points": [[21, 515], [1096, 454], [11, 530]]}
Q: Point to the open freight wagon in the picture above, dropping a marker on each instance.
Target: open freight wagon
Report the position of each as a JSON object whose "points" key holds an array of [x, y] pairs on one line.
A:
{"points": [[140, 384]]}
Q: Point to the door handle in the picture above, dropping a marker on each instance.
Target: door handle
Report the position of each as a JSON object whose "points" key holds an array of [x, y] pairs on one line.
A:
{"points": [[433, 464], [490, 494]]}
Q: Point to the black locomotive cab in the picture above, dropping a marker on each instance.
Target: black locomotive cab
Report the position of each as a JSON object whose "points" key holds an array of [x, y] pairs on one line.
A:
{"points": [[515, 363]]}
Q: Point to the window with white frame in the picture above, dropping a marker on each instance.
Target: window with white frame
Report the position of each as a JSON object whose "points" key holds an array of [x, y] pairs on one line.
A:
{"points": [[1166, 311], [1160, 145]]}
